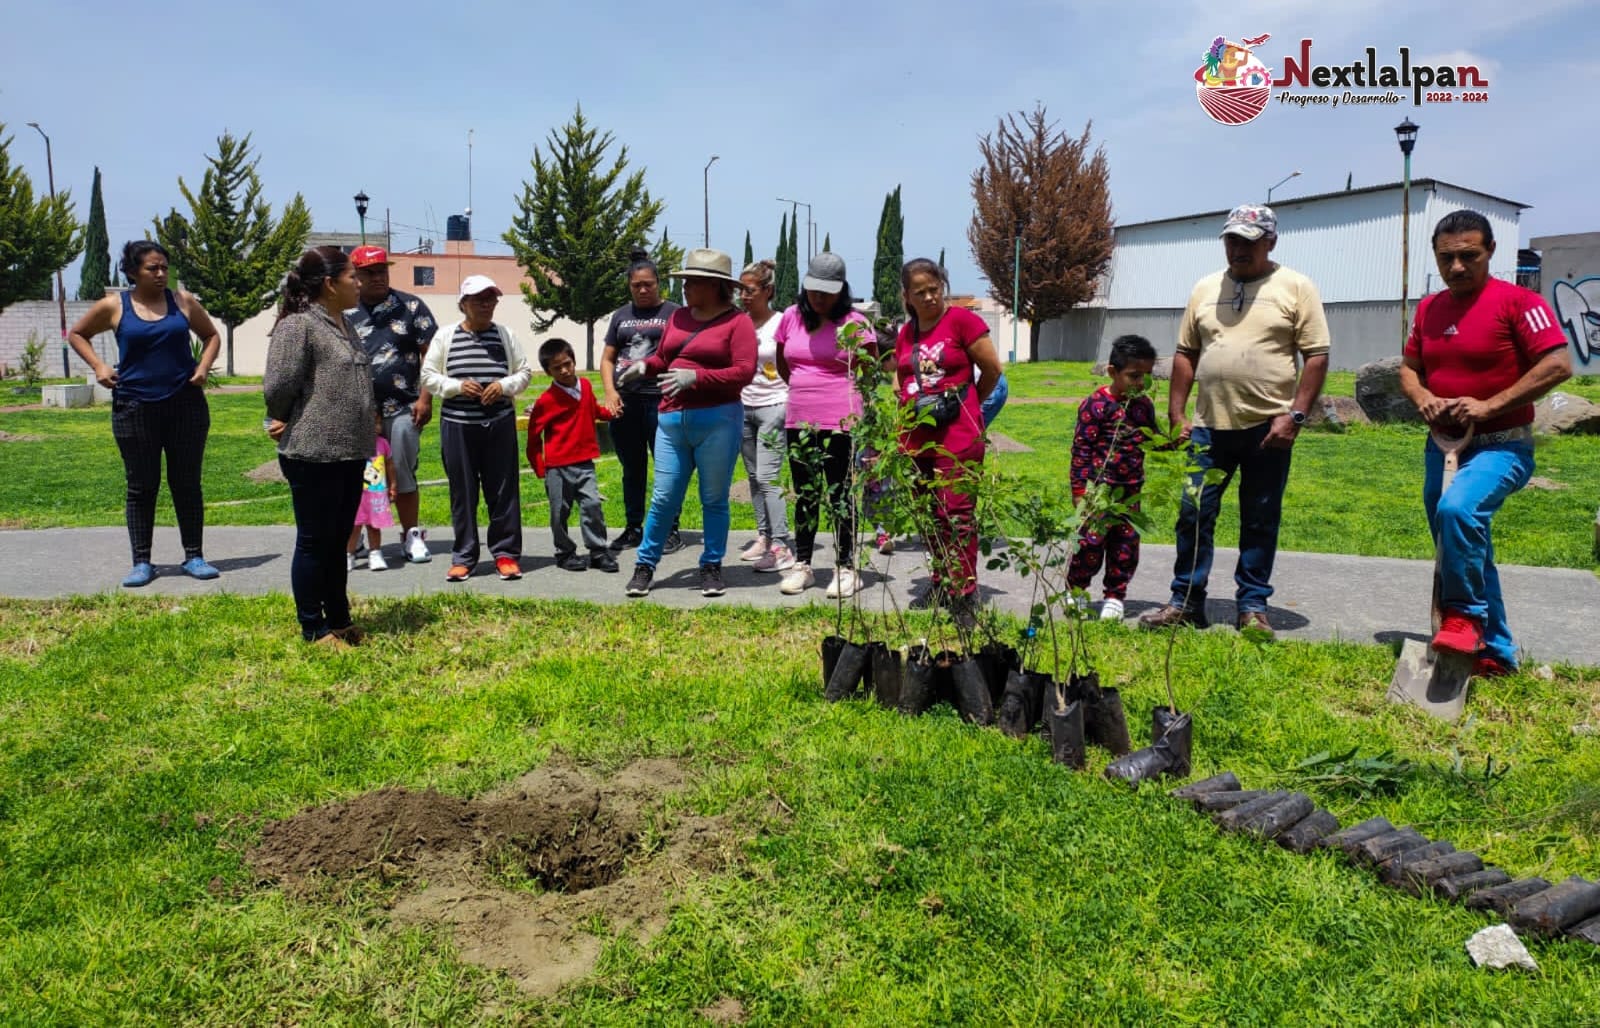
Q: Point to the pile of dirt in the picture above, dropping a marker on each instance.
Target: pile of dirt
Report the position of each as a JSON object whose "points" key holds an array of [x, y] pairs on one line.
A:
{"points": [[599, 848], [268, 472]]}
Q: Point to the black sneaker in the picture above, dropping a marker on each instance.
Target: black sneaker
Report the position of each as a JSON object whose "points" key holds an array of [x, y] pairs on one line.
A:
{"points": [[602, 560], [711, 580], [574, 562], [639, 584], [633, 536], [673, 544]]}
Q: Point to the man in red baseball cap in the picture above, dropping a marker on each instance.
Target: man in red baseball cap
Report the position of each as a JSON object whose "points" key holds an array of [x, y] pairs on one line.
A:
{"points": [[395, 328]]}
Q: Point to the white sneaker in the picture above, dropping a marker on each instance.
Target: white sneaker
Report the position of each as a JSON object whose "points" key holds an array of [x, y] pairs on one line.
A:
{"points": [[797, 580], [844, 585], [375, 562], [416, 548], [1111, 610], [349, 562]]}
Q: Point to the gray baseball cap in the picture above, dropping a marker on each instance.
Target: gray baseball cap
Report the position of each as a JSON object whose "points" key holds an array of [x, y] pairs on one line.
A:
{"points": [[1251, 221], [825, 273]]}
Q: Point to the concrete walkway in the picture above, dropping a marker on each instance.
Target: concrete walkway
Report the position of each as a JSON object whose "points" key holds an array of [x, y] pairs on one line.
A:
{"points": [[1318, 596]]}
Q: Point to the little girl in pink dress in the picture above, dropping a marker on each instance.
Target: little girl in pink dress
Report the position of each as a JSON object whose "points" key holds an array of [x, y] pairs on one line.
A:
{"points": [[376, 510]]}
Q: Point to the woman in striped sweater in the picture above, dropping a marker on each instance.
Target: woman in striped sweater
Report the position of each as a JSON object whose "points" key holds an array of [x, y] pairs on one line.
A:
{"points": [[476, 367]]}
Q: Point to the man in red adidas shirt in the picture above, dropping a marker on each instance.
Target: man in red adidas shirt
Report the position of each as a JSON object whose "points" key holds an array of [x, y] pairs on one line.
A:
{"points": [[1480, 353]]}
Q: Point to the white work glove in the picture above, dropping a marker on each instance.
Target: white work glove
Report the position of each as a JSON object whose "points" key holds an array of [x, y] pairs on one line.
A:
{"points": [[678, 380], [631, 374]]}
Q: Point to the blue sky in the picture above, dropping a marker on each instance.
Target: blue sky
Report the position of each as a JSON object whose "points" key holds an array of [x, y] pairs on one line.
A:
{"points": [[794, 100]]}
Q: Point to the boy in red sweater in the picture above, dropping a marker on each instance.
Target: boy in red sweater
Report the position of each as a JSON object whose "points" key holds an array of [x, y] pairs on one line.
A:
{"points": [[562, 447]]}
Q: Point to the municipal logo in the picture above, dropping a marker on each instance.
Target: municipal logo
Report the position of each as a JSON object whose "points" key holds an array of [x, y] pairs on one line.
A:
{"points": [[1233, 85]]}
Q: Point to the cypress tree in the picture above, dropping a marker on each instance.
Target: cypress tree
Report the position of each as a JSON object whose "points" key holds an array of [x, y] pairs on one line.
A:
{"points": [[749, 253], [827, 243], [890, 256], [788, 279], [96, 273]]}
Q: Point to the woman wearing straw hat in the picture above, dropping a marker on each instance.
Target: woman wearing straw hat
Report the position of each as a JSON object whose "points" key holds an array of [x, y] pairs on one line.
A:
{"points": [[706, 358]]}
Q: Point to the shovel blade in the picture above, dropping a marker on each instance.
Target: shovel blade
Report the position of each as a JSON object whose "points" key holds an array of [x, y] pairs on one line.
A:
{"points": [[1433, 680]]}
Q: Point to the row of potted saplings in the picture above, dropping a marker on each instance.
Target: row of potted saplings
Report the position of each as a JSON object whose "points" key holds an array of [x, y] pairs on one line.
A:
{"points": [[989, 681]]}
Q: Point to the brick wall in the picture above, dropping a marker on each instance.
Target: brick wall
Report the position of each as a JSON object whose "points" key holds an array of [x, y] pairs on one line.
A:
{"points": [[43, 317]]}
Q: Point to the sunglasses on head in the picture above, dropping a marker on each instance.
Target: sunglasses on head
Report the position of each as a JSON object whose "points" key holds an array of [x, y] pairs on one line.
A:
{"points": [[1238, 296]]}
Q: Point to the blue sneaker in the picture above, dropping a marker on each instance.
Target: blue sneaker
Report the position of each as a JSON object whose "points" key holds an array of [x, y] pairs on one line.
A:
{"points": [[143, 573], [196, 567]]}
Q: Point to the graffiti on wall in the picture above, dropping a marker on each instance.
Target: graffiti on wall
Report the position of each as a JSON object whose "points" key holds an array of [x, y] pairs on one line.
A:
{"points": [[1577, 307]]}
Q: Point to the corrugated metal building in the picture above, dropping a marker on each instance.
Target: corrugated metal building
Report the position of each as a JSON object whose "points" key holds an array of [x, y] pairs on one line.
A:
{"points": [[1348, 243]]}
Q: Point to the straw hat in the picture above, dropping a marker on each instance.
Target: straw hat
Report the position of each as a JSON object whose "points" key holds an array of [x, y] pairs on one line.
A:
{"points": [[704, 263]]}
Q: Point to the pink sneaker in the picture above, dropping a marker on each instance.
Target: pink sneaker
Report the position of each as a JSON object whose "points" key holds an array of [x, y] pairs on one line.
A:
{"points": [[756, 550], [777, 558]]}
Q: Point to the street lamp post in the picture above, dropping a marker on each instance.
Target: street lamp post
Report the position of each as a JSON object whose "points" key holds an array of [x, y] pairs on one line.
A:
{"points": [[706, 196], [361, 212], [1292, 174], [1016, 290], [61, 289], [1406, 132], [810, 234]]}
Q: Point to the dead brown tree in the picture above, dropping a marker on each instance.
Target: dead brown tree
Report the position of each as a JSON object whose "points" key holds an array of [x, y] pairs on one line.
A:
{"points": [[1055, 193]]}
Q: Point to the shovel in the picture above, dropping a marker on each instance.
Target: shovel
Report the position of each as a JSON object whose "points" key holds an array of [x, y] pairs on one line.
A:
{"points": [[1433, 680]]}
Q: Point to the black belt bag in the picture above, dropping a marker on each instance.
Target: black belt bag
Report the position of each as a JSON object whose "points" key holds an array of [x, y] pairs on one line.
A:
{"points": [[943, 407]]}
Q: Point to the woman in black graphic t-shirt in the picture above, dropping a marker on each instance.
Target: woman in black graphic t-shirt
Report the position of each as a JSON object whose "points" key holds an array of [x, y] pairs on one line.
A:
{"points": [[634, 335]]}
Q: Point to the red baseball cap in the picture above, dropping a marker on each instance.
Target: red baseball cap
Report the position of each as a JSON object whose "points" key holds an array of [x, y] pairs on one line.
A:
{"points": [[367, 256]]}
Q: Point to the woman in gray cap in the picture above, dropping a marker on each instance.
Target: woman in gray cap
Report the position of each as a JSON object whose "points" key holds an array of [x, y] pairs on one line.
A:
{"points": [[823, 405]]}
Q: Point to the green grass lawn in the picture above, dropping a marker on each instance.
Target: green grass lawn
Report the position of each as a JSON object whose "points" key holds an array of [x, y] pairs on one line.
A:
{"points": [[1359, 492], [891, 871]]}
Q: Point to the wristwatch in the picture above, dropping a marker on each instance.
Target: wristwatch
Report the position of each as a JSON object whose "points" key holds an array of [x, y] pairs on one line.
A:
{"points": [[1298, 417]]}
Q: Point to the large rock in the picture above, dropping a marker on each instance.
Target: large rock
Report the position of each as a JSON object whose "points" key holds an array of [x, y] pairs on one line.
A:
{"points": [[1378, 392], [1335, 414], [1565, 414]]}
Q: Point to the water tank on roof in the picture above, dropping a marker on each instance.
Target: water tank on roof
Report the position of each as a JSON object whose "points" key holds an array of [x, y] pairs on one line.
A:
{"points": [[458, 228]]}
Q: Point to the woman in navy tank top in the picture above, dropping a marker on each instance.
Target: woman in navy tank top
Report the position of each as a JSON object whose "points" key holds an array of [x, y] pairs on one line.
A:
{"points": [[158, 403]]}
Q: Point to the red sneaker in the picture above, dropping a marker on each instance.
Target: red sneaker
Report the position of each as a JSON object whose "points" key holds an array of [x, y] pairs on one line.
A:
{"points": [[1489, 667], [508, 567], [1459, 633]]}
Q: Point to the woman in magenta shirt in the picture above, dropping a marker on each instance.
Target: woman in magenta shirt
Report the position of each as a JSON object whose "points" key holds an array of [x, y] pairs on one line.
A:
{"points": [[946, 349], [822, 407]]}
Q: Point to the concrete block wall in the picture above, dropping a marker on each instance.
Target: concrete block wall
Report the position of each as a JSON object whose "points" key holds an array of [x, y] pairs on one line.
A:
{"points": [[43, 318]]}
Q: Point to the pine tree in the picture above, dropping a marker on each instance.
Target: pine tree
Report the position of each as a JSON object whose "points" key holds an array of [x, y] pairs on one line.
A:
{"points": [[1053, 191], [890, 256], [941, 259], [827, 242], [749, 252], [96, 273], [229, 251], [36, 238], [575, 223]]}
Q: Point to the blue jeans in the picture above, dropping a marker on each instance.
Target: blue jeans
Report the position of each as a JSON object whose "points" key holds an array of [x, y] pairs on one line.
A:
{"points": [[705, 440], [1459, 521], [1263, 473], [997, 399]]}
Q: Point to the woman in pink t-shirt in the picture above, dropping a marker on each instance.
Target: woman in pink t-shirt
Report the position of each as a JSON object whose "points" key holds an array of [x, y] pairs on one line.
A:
{"points": [[946, 349], [822, 407]]}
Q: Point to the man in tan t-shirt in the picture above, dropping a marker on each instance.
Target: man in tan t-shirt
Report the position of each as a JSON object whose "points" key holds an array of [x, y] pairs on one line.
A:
{"points": [[1254, 339]]}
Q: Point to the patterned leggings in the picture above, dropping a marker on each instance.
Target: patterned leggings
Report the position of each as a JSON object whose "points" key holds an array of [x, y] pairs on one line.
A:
{"points": [[1116, 544]]}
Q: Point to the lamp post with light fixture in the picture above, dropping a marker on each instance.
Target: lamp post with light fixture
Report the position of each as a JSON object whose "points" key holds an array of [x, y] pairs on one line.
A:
{"points": [[361, 212], [1406, 132], [61, 289], [1292, 174]]}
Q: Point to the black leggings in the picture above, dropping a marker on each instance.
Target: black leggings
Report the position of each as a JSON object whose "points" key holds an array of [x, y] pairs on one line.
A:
{"points": [[819, 463], [144, 430], [325, 498]]}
